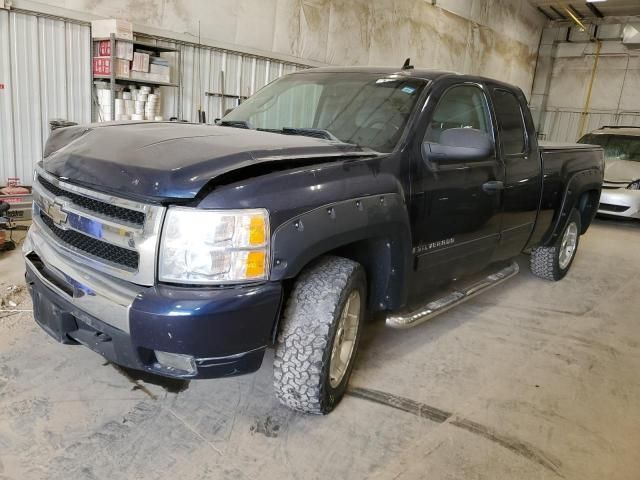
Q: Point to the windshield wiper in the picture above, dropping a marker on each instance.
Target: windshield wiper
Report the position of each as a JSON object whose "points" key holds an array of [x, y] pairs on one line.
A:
{"points": [[305, 132], [234, 123]]}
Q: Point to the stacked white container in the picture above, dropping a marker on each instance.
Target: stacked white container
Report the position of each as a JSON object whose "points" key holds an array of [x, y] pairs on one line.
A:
{"points": [[121, 111], [152, 108], [134, 104], [104, 104]]}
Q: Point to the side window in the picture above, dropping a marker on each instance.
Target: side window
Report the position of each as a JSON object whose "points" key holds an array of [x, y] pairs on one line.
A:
{"points": [[464, 106], [510, 122]]}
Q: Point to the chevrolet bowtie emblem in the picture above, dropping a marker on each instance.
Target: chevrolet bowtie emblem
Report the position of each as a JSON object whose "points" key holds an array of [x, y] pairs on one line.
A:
{"points": [[56, 214]]}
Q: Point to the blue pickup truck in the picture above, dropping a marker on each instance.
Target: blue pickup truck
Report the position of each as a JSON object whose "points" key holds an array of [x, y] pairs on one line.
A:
{"points": [[187, 250]]}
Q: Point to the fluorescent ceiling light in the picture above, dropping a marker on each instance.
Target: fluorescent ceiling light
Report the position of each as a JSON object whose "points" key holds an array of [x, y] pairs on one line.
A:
{"points": [[596, 1]]}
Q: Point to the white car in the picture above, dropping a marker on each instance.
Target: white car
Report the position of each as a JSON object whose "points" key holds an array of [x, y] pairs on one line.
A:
{"points": [[621, 188]]}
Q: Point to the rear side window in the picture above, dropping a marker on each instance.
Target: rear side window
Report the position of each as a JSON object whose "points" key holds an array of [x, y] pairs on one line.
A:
{"points": [[510, 122]]}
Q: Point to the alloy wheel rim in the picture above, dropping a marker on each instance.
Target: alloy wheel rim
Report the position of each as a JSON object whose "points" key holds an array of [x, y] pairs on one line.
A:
{"points": [[345, 339], [568, 245]]}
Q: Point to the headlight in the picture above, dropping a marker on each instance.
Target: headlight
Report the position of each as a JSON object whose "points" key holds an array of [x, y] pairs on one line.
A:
{"points": [[214, 246], [634, 185]]}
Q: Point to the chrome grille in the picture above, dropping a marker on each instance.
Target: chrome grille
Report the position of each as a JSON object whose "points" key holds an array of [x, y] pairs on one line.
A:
{"points": [[112, 211], [110, 234], [105, 251]]}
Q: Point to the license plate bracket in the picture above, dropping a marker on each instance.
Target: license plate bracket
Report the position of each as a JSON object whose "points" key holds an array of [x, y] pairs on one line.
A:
{"points": [[54, 320]]}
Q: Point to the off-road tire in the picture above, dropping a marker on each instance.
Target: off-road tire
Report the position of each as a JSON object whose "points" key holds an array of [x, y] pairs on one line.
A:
{"points": [[545, 261], [307, 332]]}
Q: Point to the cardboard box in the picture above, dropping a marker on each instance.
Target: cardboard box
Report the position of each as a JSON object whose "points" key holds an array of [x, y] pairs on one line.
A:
{"points": [[159, 61], [124, 50], [160, 77], [104, 28], [150, 77], [160, 69], [135, 75], [102, 66], [140, 62]]}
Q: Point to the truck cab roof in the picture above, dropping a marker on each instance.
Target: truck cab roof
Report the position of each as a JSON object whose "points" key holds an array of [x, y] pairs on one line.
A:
{"points": [[425, 74]]}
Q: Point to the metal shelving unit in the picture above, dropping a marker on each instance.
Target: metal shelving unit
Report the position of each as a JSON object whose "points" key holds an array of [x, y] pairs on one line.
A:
{"points": [[114, 79]]}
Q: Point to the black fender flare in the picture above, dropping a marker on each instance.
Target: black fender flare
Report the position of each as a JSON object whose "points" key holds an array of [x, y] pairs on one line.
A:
{"points": [[578, 183], [380, 219]]}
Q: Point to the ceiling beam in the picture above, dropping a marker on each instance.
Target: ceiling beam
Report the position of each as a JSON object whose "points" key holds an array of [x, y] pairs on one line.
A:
{"points": [[574, 11], [542, 11], [594, 10], [557, 12]]}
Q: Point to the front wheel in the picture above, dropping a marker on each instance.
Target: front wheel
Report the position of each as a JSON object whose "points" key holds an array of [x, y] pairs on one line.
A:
{"points": [[319, 335], [553, 263]]}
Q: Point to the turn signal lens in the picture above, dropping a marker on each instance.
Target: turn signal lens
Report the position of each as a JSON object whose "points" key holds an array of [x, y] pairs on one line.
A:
{"points": [[256, 264], [257, 230]]}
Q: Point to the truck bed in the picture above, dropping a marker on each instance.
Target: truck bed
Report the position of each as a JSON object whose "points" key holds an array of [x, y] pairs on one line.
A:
{"points": [[553, 146]]}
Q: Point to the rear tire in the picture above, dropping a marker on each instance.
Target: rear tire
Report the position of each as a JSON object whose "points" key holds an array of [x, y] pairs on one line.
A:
{"points": [[553, 263], [325, 310]]}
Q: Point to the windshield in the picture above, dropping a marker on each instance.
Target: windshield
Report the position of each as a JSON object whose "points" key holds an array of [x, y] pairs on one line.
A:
{"points": [[369, 110], [616, 147]]}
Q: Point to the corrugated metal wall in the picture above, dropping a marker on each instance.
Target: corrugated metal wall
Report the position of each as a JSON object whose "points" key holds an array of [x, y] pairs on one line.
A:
{"points": [[205, 69], [45, 69], [563, 125]]}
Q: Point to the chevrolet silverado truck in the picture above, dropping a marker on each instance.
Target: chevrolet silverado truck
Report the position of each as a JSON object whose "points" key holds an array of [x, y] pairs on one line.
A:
{"points": [[187, 250]]}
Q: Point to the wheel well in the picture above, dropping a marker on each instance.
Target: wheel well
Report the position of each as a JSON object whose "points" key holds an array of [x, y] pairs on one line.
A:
{"points": [[588, 206], [374, 255]]}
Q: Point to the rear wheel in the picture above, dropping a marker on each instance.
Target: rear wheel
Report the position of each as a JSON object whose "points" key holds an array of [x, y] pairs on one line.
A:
{"points": [[553, 263], [319, 335]]}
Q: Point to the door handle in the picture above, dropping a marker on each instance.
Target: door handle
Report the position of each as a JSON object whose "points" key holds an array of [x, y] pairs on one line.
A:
{"points": [[492, 187]]}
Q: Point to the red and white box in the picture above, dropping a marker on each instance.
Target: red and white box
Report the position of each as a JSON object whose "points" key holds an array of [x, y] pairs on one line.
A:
{"points": [[140, 62], [102, 66], [124, 50]]}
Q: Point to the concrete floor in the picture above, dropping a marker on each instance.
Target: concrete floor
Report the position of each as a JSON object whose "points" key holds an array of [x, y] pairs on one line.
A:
{"points": [[533, 380]]}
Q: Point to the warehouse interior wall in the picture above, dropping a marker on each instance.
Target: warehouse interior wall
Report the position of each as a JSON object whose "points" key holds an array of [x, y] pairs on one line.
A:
{"points": [[244, 45], [45, 74], [564, 77], [496, 38]]}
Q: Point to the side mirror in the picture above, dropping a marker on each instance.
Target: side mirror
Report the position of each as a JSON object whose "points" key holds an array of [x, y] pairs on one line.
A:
{"points": [[459, 145]]}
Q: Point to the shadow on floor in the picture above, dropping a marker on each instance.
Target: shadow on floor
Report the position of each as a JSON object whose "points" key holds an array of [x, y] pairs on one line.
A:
{"points": [[139, 378]]}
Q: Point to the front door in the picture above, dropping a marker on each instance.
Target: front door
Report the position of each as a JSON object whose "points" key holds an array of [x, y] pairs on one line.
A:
{"points": [[456, 200]]}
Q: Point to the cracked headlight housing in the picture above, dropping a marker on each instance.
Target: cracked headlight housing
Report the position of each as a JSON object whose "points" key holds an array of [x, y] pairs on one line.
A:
{"points": [[210, 247], [634, 185]]}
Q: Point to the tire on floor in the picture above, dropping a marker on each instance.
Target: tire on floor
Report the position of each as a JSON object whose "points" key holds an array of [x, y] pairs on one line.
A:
{"points": [[304, 379], [549, 262]]}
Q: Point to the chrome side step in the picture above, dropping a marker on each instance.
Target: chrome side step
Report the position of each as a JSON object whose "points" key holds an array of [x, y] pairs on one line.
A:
{"points": [[455, 297]]}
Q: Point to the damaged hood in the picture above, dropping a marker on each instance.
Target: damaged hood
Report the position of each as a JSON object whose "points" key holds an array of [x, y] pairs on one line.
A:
{"points": [[172, 160], [621, 171]]}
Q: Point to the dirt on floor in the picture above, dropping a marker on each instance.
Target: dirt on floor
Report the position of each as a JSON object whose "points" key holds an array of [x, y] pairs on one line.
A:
{"points": [[532, 380]]}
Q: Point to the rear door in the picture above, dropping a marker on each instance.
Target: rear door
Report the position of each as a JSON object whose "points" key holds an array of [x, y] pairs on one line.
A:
{"points": [[523, 170], [455, 213]]}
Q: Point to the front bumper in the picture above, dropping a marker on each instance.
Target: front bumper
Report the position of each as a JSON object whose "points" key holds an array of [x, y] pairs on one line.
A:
{"points": [[226, 330], [620, 202]]}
